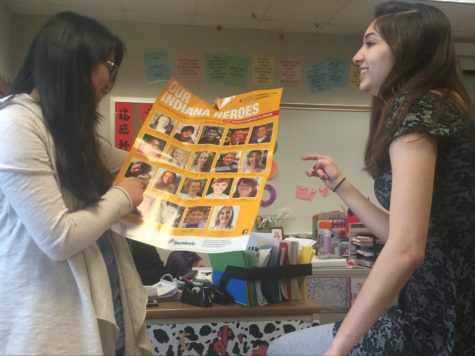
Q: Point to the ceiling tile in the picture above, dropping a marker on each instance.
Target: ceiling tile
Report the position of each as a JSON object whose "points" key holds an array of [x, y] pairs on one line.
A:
{"points": [[455, 12], [206, 21], [304, 10], [157, 17], [466, 25], [31, 7], [288, 26], [38, 8], [96, 13], [102, 4], [167, 6], [344, 30], [242, 8], [333, 16], [237, 23], [356, 12]]}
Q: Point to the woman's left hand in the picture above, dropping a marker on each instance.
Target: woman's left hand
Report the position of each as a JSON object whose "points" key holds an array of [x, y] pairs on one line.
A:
{"points": [[324, 168]]}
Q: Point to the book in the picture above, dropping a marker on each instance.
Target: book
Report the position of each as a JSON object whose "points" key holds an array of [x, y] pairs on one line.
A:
{"points": [[284, 261], [271, 286]]}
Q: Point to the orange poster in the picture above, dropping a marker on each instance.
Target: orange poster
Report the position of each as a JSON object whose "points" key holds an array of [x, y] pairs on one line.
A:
{"points": [[205, 166]]}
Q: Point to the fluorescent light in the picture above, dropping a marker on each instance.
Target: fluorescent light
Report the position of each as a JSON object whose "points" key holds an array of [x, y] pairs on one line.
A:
{"points": [[457, 1]]}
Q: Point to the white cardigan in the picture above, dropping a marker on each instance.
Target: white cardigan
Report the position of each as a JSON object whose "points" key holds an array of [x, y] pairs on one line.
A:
{"points": [[55, 296]]}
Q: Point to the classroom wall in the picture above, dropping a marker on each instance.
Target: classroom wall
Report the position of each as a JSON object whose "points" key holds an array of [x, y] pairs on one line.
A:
{"points": [[339, 134], [146, 38], [5, 42], [325, 133]]}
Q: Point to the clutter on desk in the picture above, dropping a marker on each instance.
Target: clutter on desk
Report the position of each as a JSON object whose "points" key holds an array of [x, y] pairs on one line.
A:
{"points": [[204, 273], [342, 240], [265, 223], [164, 289], [368, 248], [189, 289], [321, 262], [199, 293], [269, 271], [330, 232]]}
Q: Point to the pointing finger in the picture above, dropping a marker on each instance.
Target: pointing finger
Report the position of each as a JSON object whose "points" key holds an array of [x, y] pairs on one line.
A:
{"points": [[310, 157]]}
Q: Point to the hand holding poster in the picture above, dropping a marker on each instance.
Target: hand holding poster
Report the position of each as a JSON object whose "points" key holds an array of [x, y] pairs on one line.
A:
{"points": [[205, 167]]}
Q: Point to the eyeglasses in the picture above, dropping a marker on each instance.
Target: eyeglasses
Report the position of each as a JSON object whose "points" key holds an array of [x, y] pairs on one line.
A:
{"points": [[112, 67]]}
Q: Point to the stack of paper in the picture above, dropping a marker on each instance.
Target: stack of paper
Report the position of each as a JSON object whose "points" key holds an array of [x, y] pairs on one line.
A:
{"points": [[329, 263]]}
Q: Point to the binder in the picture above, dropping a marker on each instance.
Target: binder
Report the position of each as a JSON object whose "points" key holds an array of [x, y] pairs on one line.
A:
{"points": [[256, 273], [253, 277], [235, 287]]}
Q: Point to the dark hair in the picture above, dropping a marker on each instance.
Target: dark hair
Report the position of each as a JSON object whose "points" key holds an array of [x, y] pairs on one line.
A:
{"points": [[250, 153], [235, 131], [180, 263], [267, 126], [144, 169], [187, 128], [58, 65], [249, 181], [424, 61], [203, 209], [192, 180], [212, 128], [147, 138]]}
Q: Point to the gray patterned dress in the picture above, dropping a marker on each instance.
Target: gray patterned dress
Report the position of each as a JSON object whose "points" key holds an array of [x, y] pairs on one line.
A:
{"points": [[436, 311]]}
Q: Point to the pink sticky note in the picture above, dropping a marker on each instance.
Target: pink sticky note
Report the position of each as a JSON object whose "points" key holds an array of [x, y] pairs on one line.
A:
{"points": [[311, 194], [301, 192], [323, 191]]}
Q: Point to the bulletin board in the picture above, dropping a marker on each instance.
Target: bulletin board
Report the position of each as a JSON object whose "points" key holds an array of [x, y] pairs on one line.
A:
{"points": [[338, 131]]}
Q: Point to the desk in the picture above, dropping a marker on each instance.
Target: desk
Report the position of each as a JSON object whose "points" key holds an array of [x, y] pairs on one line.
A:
{"points": [[177, 328]]}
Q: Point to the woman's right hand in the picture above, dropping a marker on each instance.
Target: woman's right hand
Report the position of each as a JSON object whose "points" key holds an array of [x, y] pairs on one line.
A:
{"points": [[324, 168], [134, 187]]}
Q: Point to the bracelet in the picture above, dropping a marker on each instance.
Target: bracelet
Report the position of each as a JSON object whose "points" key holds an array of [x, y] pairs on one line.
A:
{"points": [[338, 185]]}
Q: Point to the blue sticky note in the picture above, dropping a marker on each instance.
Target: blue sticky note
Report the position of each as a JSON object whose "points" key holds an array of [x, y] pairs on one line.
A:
{"points": [[337, 72], [317, 77], [157, 67]]}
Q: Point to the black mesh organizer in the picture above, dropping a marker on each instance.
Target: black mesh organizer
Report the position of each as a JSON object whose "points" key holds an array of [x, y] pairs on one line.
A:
{"points": [[221, 296]]}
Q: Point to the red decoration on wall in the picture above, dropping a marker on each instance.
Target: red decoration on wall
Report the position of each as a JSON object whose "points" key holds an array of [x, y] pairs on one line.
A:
{"points": [[144, 110], [123, 126]]}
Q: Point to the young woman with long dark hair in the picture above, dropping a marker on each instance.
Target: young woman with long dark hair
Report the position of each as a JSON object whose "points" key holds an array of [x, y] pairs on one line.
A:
{"points": [[68, 285]]}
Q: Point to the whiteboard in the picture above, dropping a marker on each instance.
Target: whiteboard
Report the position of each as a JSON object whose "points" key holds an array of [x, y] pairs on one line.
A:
{"points": [[340, 133]]}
